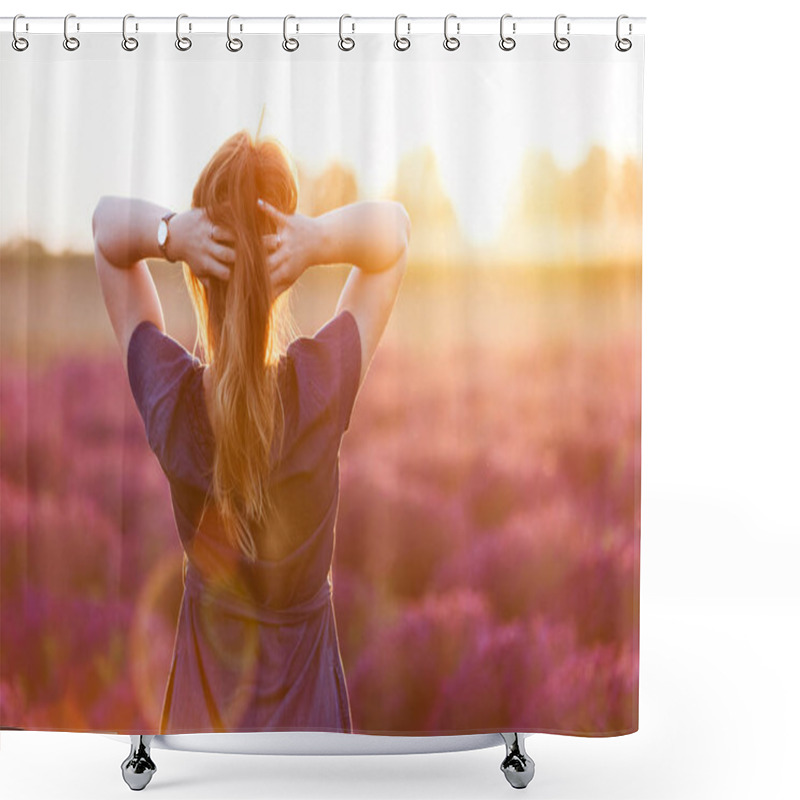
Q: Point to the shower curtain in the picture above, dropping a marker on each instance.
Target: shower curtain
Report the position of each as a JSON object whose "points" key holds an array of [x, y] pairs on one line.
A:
{"points": [[422, 351]]}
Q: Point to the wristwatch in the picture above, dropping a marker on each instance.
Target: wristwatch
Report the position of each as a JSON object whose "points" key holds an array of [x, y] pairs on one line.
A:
{"points": [[163, 233]]}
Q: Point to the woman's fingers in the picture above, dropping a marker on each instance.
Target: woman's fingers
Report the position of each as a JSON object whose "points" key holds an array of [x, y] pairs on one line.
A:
{"points": [[221, 234], [279, 282], [276, 268], [226, 255], [276, 260], [222, 272], [271, 211], [211, 268], [219, 256], [272, 242]]}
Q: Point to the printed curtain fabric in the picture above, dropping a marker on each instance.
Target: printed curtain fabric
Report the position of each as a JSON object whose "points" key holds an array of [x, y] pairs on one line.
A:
{"points": [[351, 441]]}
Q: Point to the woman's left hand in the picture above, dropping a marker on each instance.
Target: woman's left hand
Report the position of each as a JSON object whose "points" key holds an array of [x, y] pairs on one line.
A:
{"points": [[193, 238]]}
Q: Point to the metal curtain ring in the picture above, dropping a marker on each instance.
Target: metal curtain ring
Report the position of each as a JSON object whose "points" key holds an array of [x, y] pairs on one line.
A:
{"points": [[451, 42], [289, 43], [234, 45], [506, 42], [19, 43], [70, 42], [561, 43], [623, 45], [129, 43], [181, 42], [401, 42], [346, 42]]}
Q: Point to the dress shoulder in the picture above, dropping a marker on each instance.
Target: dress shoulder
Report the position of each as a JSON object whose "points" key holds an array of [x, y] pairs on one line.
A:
{"points": [[329, 364], [163, 376]]}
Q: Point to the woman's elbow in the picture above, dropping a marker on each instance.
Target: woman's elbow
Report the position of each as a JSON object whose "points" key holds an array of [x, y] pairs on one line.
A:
{"points": [[101, 225], [97, 217], [404, 228]]}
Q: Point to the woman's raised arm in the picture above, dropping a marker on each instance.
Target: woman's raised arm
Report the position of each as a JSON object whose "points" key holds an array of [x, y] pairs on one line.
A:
{"points": [[125, 230], [125, 234], [374, 237], [370, 234]]}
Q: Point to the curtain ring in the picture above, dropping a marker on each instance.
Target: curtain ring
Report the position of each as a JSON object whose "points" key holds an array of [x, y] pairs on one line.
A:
{"points": [[560, 40], [401, 42], [350, 42], [450, 42], [19, 43], [129, 43], [506, 42], [623, 45], [289, 44], [183, 43], [234, 45], [70, 42]]}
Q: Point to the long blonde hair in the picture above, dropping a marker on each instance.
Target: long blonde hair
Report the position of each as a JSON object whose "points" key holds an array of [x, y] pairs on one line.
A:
{"points": [[243, 329]]}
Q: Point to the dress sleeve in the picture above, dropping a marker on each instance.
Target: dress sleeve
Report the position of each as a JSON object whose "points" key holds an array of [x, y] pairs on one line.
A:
{"points": [[331, 365], [160, 371]]}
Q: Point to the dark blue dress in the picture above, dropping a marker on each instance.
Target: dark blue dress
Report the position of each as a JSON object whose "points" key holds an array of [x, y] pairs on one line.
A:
{"points": [[256, 647]]}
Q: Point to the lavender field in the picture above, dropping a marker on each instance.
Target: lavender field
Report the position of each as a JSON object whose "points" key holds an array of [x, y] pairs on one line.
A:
{"points": [[487, 547]]}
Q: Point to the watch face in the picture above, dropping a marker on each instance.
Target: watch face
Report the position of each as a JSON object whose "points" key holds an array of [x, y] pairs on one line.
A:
{"points": [[162, 233]]}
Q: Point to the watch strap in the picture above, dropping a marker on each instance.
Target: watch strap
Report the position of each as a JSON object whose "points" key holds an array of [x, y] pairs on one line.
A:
{"points": [[166, 218]]}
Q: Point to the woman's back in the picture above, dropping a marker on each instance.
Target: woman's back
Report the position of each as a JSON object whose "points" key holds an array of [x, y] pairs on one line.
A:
{"points": [[260, 627], [318, 382]]}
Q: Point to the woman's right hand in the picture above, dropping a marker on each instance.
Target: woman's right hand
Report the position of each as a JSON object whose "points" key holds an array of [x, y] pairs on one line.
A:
{"points": [[291, 249]]}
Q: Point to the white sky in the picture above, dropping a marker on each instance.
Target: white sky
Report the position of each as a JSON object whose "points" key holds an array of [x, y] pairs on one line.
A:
{"points": [[75, 126]]}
